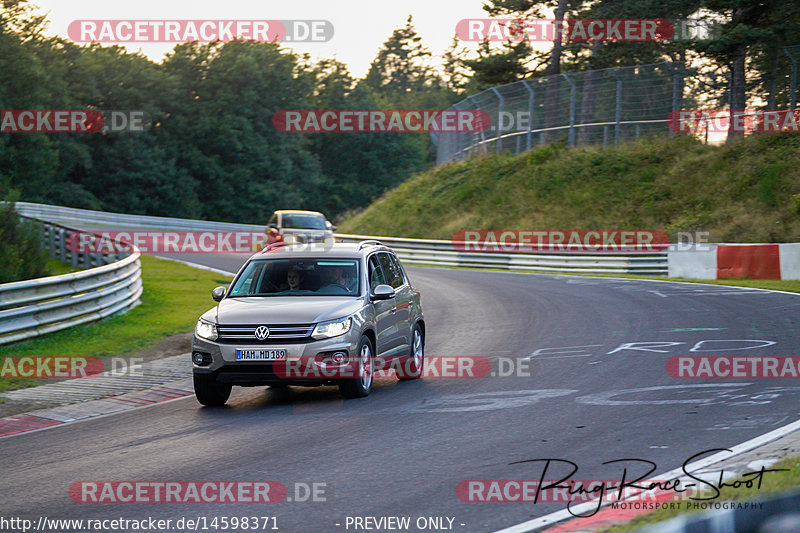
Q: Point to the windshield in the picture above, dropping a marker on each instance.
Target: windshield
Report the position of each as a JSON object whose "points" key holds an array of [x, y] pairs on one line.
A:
{"points": [[298, 277], [303, 222]]}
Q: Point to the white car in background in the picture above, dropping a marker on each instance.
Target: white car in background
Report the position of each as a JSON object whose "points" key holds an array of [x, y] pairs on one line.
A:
{"points": [[301, 226]]}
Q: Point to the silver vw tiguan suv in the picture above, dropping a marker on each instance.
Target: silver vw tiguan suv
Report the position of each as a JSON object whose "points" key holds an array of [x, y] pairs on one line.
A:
{"points": [[310, 315]]}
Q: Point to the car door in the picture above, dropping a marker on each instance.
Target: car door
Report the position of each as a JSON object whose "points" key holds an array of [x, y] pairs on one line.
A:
{"points": [[403, 305], [384, 321], [399, 309]]}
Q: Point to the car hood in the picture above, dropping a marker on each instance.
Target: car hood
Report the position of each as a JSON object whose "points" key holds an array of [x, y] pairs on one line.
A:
{"points": [[257, 310]]}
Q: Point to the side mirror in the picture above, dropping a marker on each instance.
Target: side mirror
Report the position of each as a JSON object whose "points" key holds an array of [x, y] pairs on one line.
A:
{"points": [[330, 226], [218, 294], [382, 292]]}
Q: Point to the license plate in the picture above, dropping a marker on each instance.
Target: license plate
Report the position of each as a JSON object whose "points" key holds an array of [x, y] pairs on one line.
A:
{"points": [[260, 355]]}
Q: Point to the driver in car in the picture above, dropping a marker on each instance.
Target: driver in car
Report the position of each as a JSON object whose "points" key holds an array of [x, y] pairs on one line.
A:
{"points": [[335, 276]]}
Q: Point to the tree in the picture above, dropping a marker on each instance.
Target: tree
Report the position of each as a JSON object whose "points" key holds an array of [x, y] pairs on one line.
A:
{"points": [[402, 65], [748, 24]]}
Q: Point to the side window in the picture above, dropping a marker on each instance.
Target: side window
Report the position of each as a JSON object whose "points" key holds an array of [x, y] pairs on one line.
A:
{"points": [[375, 274], [393, 277], [249, 281], [399, 269]]}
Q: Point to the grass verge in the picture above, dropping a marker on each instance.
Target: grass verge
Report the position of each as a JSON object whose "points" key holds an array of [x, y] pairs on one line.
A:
{"points": [[56, 267], [174, 296], [745, 191]]}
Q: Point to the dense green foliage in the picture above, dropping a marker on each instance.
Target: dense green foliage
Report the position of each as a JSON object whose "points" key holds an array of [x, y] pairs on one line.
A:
{"points": [[21, 254], [747, 191], [212, 151]]}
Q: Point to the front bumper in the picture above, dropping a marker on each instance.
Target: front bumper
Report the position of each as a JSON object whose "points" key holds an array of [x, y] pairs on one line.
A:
{"points": [[303, 364]]}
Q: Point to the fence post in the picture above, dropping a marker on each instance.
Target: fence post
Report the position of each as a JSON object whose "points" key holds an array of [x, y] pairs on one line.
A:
{"points": [[499, 137], [571, 110], [62, 248], [483, 134], [618, 111], [677, 92], [530, 112], [452, 147]]}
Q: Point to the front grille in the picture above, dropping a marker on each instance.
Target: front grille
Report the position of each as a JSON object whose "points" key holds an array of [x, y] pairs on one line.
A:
{"points": [[306, 238], [277, 333]]}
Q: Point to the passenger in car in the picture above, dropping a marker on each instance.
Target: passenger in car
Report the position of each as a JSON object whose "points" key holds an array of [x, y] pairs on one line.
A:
{"points": [[293, 280]]}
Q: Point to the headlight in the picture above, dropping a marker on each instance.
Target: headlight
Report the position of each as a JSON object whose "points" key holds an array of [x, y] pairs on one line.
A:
{"points": [[206, 330], [332, 328], [289, 239]]}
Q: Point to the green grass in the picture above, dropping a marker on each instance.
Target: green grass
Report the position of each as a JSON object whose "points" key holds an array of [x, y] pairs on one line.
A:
{"points": [[174, 296], [746, 191], [57, 267], [771, 483]]}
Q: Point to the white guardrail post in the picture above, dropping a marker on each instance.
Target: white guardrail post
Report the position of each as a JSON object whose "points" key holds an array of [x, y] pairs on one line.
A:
{"points": [[111, 283]]}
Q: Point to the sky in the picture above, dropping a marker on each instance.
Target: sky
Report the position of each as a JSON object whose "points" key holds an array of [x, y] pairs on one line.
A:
{"points": [[360, 26]]}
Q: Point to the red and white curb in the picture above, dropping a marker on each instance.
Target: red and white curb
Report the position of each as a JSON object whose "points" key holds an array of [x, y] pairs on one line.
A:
{"points": [[161, 380]]}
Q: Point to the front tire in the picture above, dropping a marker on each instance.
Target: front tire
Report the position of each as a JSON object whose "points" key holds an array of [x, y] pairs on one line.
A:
{"points": [[416, 360], [361, 384], [210, 392]]}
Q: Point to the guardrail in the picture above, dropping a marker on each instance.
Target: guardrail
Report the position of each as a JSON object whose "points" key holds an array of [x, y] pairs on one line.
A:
{"points": [[86, 217], [442, 253], [35, 307], [420, 251]]}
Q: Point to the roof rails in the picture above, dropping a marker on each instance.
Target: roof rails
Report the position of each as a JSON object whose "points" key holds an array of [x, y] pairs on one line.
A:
{"points": [[371, 242]]}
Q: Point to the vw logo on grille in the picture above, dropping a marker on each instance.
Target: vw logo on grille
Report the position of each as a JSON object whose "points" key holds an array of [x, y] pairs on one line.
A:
{"points": [[262, 332]]}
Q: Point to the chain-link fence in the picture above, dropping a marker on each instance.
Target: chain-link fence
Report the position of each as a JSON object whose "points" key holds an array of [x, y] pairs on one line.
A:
{"points": [[604, 106]]}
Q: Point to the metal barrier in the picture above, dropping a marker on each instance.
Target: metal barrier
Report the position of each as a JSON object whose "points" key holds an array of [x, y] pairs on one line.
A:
{"points": [[442, 253], [35, 307], [85, 217], [420, 251]]}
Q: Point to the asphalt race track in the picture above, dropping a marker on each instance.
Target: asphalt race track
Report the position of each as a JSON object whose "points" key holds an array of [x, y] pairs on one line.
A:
{"points": [[591, 396]]}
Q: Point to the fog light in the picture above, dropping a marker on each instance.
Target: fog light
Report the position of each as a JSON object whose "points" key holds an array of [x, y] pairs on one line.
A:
{"points": [[339, 357], [201, 359]]}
